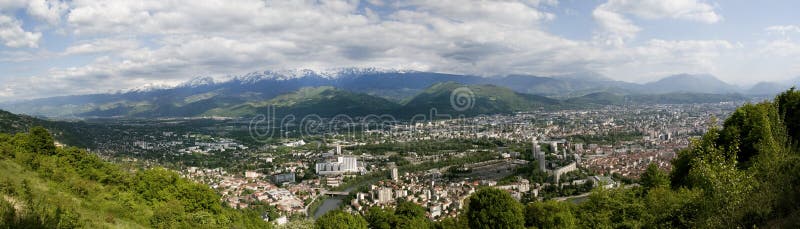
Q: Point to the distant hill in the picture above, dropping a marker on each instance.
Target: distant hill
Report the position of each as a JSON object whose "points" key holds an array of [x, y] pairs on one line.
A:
{"points": [[324, 101], [459, 99], [768, 88], [691, 84], [70, 133], [599, 98], [11, 123], [606, 98]]}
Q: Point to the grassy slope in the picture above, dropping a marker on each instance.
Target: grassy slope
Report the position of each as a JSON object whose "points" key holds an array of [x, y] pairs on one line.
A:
{"points": [[98, 194], [95, 211]]}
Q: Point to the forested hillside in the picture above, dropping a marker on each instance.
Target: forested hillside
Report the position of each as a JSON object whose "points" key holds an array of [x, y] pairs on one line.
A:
{"points": [[43, 186]]}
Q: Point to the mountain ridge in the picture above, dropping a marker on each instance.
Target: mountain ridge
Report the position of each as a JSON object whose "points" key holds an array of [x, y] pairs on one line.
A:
{"points": [[194, 97]]}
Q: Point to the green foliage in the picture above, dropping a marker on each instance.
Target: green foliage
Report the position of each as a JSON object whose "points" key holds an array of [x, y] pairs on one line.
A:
{"points": [[158, 185], [339, 219], [653, 177], [550, 214], [459, 222], [380, 218], [749, 127], [494, 208], [298, 224], [744, 175], [788, 104], [617, 208], [40, 142], [669, 208], [405, 215], [410, 215]]}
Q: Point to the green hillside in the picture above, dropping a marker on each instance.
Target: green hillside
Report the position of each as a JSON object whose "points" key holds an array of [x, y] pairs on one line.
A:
{"points": [[474, 99], [47, 187], [11, 123], [323, 101], [608, 98]]}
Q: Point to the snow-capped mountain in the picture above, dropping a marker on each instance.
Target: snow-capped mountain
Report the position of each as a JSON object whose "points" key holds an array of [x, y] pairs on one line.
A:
{"points": [[202, 94], [333, 73]]}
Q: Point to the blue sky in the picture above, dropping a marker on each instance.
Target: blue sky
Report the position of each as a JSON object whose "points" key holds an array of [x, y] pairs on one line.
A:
{"points": [[51, 47]]}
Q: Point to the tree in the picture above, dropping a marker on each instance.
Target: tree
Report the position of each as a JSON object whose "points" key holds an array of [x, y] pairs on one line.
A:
{"points": [[653, 177], [409, 210], [380, 218], [459, 222], [749, 128], [494, 208], [788, 104], [411, 215], [40, 142], [673, 208], [549, 214], [612, 208], [339, 219]]}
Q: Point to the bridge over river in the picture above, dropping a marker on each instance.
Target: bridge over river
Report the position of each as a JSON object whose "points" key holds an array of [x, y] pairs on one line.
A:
{"points": [[335, 193]]}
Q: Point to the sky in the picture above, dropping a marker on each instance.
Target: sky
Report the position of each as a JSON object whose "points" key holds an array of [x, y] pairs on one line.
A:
{"points": [[51, 47]]}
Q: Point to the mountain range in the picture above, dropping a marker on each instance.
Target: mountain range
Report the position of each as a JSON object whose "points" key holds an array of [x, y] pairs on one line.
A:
{"points": [[358, 91]]}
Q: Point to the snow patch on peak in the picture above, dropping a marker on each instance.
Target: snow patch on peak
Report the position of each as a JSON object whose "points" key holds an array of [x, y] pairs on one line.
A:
{"points": [[332, 73], [198, 81], [144, 88]]}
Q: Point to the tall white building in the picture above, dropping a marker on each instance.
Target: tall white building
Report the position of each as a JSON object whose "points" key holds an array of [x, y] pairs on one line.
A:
{"points": [[384, 195], [539, 155], [341, 165], [349, 164], [395, 175]]}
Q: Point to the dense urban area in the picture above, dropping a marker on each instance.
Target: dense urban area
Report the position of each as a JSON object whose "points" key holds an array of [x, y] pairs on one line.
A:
{"points": [[437, 164]]}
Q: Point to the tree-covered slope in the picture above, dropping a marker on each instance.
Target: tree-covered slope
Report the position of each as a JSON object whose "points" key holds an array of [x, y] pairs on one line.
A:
{"points": [[11, 123], [458, 99], [43, 186], [323, 101]]}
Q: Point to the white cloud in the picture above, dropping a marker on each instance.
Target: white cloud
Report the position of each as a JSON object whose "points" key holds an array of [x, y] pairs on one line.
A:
{"points": [[783, 29], [616, 29], [658, 58], [12, 34], [780, 48], [11, 5], [101, 46], [693, 10], [49, 11]]}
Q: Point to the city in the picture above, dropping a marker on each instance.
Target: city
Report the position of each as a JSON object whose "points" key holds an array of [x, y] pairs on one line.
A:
{"points": [[558, 155]]}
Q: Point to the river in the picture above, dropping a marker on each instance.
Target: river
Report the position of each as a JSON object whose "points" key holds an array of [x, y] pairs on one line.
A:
{"points": [[331, 203], [334, 202]]}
